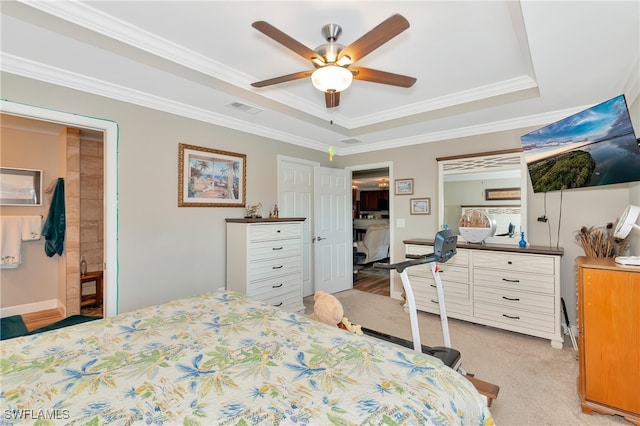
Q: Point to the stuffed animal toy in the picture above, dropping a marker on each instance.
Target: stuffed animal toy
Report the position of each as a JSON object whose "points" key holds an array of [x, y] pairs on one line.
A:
{"points": [[345, 324], [326, 308]]}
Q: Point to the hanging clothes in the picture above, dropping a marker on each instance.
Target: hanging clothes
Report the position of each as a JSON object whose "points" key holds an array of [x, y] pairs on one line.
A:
{"points": [[55, 225]]}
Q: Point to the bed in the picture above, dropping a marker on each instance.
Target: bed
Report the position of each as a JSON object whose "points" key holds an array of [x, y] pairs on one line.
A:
{"points": [[223, 358]]}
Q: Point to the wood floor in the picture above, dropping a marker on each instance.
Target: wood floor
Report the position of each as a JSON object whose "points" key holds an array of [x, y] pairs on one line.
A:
{"points": [[39, 319], [372, 281]]}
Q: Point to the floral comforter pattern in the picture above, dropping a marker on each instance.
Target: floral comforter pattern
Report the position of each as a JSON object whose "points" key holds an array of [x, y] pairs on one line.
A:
{"points": [[222, 358]]}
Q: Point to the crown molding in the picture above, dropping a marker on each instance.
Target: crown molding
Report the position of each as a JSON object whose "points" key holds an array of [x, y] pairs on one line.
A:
{"points": [[46, 73]]}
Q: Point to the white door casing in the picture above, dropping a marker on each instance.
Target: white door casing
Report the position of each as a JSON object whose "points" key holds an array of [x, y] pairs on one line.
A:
{"points": [[295, 199], [332, 240]]}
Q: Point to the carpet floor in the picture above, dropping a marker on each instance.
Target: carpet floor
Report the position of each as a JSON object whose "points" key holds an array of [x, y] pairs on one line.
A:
{"points": [[538, 384]]}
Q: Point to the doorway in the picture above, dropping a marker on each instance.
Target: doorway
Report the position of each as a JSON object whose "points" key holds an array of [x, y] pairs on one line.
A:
{"points": [[372, 205], [109, 187]]}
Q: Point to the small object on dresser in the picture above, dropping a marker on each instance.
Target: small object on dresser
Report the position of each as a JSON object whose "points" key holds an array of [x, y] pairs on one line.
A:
{"points": [[523, 242], [275, 211]]}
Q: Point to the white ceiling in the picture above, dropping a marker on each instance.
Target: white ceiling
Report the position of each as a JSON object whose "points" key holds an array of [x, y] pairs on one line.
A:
{"points": [[481, 66]]}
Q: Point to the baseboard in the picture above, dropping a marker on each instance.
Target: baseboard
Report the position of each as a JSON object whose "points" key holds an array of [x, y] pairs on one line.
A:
{"points": [[29, 307]]}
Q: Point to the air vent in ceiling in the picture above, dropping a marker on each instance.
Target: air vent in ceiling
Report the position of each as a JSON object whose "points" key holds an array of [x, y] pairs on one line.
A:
{"points": [[245, 108], [350, 141]]}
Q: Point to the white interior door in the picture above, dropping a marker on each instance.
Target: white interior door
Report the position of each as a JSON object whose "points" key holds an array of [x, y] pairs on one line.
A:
{"points": [[332, 240], [295, 199]]}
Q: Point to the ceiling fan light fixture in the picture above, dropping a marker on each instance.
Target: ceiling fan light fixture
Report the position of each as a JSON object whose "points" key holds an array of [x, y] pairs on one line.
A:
{"points": [[331, 78]]}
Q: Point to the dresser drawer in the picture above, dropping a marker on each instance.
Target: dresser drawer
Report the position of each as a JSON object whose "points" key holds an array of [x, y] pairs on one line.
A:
{"points": [[515, 300], [515, 319], [460, 259], [274, 249], [275, 287], [514, 281], [456, 296], [448, 274], [287, 301], [273, 268], [274, 231], [514, 262]]}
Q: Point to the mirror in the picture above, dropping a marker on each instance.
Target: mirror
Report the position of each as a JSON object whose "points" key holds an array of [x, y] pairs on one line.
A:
{"points": [[494, 183]]}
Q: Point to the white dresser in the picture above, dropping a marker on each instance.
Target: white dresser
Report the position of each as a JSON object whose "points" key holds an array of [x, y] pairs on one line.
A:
{"points": [[264, 260], [501, 286]]}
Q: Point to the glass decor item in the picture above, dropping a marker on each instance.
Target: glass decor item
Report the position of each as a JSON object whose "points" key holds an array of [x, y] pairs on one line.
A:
{"points": [[83, 266], [523, 242]]}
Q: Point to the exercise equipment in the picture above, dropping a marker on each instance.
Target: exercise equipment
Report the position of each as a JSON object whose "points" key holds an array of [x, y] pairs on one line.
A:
{"points": [[444, 248]]}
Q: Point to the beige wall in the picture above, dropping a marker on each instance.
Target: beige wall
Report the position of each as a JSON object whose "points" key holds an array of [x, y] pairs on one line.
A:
{"points": [[37, 277], [166, 252], [583, 207]]}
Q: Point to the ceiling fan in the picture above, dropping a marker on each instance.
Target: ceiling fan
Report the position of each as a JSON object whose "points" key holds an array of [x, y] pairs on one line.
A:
{"points": [[332, 61]]}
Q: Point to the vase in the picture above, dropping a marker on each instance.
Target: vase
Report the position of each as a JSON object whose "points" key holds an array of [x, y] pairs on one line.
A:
{"points": [[523, 242]]}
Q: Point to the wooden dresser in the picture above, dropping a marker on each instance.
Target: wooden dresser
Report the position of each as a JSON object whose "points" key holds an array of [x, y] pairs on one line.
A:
{"points": [[264, 260], [502, 286], [609, 337]]}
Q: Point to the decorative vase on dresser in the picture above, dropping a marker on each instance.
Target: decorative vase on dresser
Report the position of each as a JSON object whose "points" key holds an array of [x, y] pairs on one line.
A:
{"points": [[264, 260], [609, 337]]}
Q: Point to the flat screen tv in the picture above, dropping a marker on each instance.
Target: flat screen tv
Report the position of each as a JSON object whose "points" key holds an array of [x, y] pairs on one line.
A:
{"points": [[594, 147]]}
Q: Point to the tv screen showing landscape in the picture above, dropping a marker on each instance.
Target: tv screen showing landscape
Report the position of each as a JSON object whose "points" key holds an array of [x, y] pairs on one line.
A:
{"points": [[594, 147]]}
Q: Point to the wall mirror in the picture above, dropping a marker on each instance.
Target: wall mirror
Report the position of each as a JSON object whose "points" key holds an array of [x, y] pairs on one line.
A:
{"points": [[494, 183]]}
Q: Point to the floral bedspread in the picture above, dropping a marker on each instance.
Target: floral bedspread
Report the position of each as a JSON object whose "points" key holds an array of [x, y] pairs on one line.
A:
{"points": [[222, 358]]}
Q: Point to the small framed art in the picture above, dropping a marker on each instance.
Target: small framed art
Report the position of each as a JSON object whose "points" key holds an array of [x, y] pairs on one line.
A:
{"points": [[404, 186], [420, 206]]}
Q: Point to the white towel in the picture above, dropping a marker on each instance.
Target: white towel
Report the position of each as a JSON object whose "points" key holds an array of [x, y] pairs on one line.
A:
{"points": [[31, 228], [10, 241]]}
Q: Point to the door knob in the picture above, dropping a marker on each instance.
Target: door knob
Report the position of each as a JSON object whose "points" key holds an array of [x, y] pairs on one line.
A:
{"points": [[317, 239]]}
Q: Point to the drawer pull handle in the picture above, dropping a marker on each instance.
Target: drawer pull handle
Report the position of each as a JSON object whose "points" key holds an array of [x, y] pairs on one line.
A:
{"points": [[277, 267], [509, 262], [510, 281], [433, 285], [277, 248], [279, 304], [277, 286], [510, 316], [513, 299], [434, 301], [278, 231]]}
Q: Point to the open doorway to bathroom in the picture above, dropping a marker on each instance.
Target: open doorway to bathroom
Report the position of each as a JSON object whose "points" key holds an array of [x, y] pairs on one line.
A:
{"points": [[371, 228]]}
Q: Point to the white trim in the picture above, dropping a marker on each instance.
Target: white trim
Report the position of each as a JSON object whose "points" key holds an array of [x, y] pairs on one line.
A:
{"points": [[111, 131], [42, 305]]}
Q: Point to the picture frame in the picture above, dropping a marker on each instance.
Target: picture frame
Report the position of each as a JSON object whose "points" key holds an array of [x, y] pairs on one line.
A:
{"points": [[420, 206], [20, 187], [404, 186], [499, 194], [210, 178]]}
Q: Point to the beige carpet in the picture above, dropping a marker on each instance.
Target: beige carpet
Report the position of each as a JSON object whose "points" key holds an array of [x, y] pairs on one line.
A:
{"points": [[537, 383]]}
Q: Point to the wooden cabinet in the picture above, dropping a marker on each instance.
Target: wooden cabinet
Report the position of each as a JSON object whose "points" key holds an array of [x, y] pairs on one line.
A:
{"points": [[501, 286], [374, 200], [264, 260], [609, 337]]}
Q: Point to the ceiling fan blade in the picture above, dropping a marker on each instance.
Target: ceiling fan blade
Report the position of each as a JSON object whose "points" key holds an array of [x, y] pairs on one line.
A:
{"points": [[282, 79], [288, 42], [332, 99], [375, 38], [376, 76]]}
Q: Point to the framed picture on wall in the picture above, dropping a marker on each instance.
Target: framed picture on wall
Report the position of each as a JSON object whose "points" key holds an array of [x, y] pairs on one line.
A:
{"points": [[420, 206], [404, 186], [210, 177], [20, 187]]}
